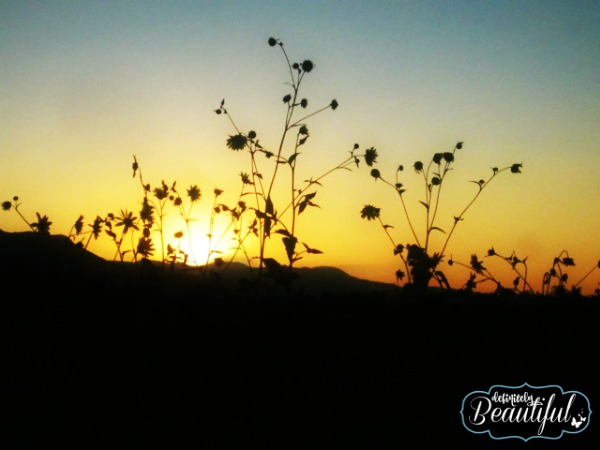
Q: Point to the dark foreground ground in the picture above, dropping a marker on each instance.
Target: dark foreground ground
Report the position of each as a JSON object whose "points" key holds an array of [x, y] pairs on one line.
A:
{"points": [[90, 364]]}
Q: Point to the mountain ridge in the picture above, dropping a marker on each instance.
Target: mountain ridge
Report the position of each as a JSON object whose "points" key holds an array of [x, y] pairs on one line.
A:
{"points": [[55, 261]]}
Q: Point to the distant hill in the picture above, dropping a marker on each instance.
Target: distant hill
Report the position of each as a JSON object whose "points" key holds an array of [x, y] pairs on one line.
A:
{"points": [[53, 262]]}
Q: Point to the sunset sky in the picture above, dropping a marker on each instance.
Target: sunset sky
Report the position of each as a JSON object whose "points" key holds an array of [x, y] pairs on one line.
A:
{"points": [[85, 85]]}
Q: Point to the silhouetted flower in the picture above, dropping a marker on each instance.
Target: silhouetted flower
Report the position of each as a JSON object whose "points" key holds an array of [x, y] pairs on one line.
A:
{"points": [[177, 201], [237, 142], [437, 158], [435, 181], [194, 193], [251, 134], [178, 235], [42, 225], [399, 275], [307, 65], [370, 212], [272, 42], [516, 168], [476, 264], [245, 178], [217, 192], [6, 205], [459, 145], [334, 104], [491, 252], [471, 284], [400, 168], [145, 247], [418, 166], [399, 249], [134, 166], [287, 98], [162, 192], [127, 220], [370, 156], [303, 130], [147, 211], [568, 261], [375, 173], [448, 157], [78, 225], [304, 103]]}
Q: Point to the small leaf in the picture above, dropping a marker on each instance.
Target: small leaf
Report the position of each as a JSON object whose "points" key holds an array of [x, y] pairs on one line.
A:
{"points": [[424, 204], [312, 250], [292, 158]]}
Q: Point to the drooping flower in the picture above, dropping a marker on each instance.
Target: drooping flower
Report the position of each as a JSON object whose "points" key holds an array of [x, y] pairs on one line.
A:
{"points": [[370, 156], [78, 225], [516, 168], [476, 265]]}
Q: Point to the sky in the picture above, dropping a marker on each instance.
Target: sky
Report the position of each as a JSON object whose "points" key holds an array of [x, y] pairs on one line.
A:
{"points": [[86, 85]]}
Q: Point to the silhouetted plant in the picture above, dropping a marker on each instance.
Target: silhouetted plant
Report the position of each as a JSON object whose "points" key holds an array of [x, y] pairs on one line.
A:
{"points": [[557, 274], [43, 223], [556, 278], [156, 200], [127, 222], [269, 219], [421, 263], [159, 198], [76, 230], [175, 254], [481, 274]]}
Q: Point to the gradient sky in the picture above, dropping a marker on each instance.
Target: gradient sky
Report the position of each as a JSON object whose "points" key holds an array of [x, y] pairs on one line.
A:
{"points": [[84, 85]]}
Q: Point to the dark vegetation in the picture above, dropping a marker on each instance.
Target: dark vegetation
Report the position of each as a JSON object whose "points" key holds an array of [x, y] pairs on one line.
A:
{"points": [[101, 354]]}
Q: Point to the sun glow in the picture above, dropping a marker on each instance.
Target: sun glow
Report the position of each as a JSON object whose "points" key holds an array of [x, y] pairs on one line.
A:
{"points": [[197, 250]]}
